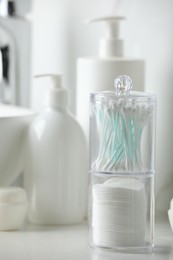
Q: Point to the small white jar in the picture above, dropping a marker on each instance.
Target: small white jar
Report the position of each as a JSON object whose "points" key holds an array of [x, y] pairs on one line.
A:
{"points": [[13, 207]]}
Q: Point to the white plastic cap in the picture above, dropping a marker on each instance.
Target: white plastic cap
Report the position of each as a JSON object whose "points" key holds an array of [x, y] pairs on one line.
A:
{"points": [[57, 95], [111, 45]]}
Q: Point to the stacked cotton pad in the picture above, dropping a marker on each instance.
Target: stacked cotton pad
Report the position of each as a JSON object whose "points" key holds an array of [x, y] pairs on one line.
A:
{"points": [[119, 213]]}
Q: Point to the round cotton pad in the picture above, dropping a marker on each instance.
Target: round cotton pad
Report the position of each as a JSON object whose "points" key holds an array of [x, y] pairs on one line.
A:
{"points": [[119, 213]]}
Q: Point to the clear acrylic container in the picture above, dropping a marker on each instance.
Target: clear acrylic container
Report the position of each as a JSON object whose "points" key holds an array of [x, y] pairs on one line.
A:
{"points": [[122, 168]]}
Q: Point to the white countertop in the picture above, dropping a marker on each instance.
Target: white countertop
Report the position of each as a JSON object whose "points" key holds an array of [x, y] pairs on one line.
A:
{"points": [[70, 243]]}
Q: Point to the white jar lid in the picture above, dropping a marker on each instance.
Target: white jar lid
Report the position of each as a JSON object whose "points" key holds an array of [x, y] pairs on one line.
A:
{"points": [[12, 195]]}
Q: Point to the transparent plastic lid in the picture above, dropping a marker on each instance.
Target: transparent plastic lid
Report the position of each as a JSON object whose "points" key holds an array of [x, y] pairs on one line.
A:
{"points": [[123, 91], [122, 129]]}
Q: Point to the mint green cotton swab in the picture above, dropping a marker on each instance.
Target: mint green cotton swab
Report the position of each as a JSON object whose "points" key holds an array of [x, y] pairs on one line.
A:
{"points": [[120, 125]]}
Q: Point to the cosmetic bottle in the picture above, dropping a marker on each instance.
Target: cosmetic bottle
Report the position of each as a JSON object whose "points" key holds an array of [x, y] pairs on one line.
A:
{"points": [[55, 173], [122, 168], [98, 73]]}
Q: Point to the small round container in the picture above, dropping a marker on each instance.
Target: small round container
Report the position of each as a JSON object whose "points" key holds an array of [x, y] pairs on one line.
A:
{"points": [[13, 208]]}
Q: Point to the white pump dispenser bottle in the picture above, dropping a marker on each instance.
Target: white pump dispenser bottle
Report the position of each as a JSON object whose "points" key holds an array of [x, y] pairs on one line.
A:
{"points": [[98, 73], [55, 175]]}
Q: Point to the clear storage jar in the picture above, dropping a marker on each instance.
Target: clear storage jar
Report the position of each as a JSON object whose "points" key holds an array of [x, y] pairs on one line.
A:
{"points": [[122, 168]]}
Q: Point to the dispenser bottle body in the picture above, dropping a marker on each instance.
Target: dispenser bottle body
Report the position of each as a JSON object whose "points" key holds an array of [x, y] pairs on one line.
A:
{"points": [[122, 152], [56, 163]]}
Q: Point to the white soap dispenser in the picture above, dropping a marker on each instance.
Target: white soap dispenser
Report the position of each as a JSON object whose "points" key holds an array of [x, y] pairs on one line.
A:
{"points": [[98, 73], [56, 162]]}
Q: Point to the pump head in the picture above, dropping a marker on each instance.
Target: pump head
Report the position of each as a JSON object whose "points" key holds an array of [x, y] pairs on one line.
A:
{"points": [[57, 95], [111, 45]]}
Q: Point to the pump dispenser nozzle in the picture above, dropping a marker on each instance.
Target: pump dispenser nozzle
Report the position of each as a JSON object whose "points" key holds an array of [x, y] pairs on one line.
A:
{"points": [[57, 95], [111, 45]]}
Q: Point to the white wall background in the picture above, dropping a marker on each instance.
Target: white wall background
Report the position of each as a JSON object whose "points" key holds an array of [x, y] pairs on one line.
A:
{"points": [[59, 37]]}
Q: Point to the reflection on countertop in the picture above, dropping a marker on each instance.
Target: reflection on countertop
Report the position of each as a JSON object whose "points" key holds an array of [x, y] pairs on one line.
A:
{"points": [[71, 243]]}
